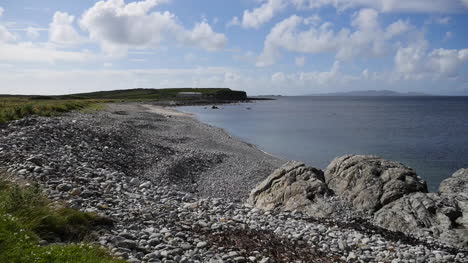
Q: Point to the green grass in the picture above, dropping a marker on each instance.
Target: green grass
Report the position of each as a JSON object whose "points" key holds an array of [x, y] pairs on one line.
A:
{"points": [[140, 94], [26, 217], [14, 107]]}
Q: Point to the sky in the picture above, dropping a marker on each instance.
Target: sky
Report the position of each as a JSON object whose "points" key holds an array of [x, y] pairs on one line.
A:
{"points": [[284, 47]]}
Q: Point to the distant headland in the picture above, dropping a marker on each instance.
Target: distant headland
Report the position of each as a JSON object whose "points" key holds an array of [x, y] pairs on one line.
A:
{"points": [[372, 93]]}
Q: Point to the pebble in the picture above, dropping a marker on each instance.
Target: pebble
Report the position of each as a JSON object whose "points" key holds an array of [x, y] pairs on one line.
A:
{"points": [[159, 221]]}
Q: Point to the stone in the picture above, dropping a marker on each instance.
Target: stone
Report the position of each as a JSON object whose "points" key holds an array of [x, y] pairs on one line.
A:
{"points": [[369, 182], [292, 187], [75, 192], [64, 187], [126, 243], [421, 213], [135, 181], [153, 242], [202, 244], [127, 235], [351, 256], [145, 185], [456, 184], [239, 259]]}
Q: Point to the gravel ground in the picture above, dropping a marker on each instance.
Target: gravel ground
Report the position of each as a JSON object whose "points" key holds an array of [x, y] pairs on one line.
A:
{"points": [[171, 185]]}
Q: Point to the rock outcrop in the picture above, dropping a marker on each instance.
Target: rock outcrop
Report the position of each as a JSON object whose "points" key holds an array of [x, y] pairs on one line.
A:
{"points": [[391, 193], [456, 184], [443, 215], [293, 187], [369, 182]]}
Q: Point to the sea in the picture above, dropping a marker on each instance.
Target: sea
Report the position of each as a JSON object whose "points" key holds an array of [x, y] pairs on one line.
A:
{"points": [[427, 133]]}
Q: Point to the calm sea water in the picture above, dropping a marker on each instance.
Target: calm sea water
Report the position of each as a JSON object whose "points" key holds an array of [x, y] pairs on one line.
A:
{"points": [[429, 134]]}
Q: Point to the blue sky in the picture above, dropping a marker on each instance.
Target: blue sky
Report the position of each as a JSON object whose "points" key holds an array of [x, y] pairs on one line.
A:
{"points": [[288, 47]]}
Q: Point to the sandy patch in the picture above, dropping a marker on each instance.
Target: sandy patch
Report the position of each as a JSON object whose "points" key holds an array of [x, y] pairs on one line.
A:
{"points": [[166, 111]]}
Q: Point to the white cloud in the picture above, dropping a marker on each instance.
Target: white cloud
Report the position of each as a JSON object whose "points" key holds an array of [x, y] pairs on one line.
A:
{"points": [[247, 56], [415, 61], [22, 81], [447, 62], [368, 38], [50, 81], [202, 35], [409, 61], [415, 6], [312, 20], [262, 14], [366, 19], [233, 22], [118, 26], [29, 52], [33, 32], [333, 78], [300, 61], [278, 77], [232, 77], [448, 35], [61, 30], [440, 20], [269, 8], [443, 20], [397, 28], [323, 77], [5, 35]]}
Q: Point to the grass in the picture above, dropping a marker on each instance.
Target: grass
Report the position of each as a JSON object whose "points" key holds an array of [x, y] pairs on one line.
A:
{"points": [[140, 94], [26, 217], [14, 107]]}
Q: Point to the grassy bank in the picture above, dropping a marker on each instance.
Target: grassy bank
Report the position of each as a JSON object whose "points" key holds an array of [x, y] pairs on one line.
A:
{"points": [[27, 217], [13, 107]]}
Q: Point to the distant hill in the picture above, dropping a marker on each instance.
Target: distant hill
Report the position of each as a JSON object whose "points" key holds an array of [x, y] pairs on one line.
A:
{"points": [[158, 94], [372, 93], [144, 94]]}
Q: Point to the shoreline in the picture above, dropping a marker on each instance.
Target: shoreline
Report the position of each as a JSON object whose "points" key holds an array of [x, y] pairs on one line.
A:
{"points": [[176, 112], [172, 184]]}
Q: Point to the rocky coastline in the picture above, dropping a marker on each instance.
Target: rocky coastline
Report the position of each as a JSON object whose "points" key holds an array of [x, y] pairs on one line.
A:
{"points": [[182, 191]]}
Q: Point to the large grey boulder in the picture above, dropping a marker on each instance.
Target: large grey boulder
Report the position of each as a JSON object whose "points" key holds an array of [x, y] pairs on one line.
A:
{"points": [[443, 215], [455, 188], [293, 187], [369, 182], [456, 184]]}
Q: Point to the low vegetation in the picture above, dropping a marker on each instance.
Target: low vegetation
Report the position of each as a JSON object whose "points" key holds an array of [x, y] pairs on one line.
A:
{"points": [[142, 94], [28, 218], [14, 107]]}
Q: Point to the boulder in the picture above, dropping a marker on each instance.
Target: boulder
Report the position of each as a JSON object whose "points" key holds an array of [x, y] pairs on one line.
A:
{"points": [[444, 215], [455, 188], [456, 184], [293, 187], [368, 182]]}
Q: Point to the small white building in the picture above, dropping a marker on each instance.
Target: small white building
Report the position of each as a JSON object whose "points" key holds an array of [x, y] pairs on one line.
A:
{"points": [[189, 94]]}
